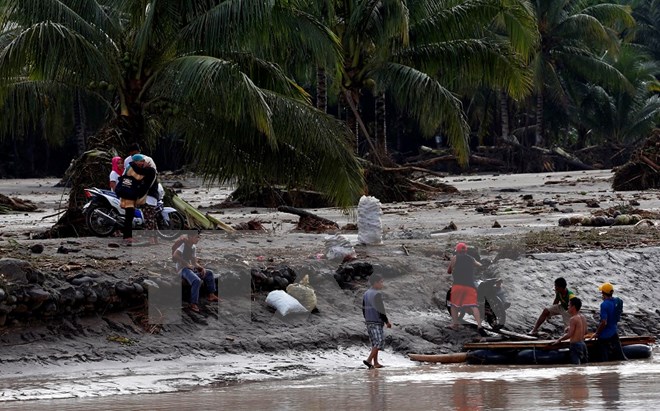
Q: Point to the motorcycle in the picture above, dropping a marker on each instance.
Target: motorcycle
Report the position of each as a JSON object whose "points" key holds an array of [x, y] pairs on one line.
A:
{"points": [[492, 302], [103, 215]]}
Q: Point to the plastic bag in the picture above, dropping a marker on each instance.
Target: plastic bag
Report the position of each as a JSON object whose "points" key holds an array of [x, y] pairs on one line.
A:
{"points": [[303, 292], [338, 247]]}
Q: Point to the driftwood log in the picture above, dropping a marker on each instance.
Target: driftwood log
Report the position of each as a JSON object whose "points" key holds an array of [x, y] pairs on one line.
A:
{"points": [[309, 221], [9, 204]]}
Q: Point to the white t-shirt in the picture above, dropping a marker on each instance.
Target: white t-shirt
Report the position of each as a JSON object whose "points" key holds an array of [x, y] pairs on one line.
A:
{"points": [[114, 176]]}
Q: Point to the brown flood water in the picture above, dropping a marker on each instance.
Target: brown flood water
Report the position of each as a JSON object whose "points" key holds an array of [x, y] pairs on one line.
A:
{"points": [[627, 386]]}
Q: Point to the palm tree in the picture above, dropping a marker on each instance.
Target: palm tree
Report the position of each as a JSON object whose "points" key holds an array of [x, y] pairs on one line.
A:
{"points": [[622, 116], [206, 69], [417, 53], [574, 36], [647, 30]]}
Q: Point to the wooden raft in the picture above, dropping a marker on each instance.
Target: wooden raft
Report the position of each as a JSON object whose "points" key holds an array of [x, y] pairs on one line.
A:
{"points": [[517, 345], [549, 344]]}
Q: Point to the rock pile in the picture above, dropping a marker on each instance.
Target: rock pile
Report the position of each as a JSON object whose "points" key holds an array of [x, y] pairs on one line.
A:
{"points": [[28, 294], [272, 278], [350, 272]]}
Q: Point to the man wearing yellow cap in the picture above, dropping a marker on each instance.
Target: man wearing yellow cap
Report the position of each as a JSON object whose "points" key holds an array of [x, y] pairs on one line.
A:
{"points": [[608, 338]]}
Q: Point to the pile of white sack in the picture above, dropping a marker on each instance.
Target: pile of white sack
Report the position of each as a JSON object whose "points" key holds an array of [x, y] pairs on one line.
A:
{"points": [[370, 227]]}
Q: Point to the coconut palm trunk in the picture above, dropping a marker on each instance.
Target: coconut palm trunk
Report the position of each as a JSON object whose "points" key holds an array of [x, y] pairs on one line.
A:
{"points": [[321, 90], [504, 115], [79, 121], [539, 120], [381, 125]]}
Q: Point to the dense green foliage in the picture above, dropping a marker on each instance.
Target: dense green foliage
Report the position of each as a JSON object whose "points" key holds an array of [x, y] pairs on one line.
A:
{"points": [[236, 80]]}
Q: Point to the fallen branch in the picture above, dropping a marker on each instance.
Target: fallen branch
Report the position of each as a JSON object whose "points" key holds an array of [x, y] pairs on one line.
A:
{"points": [[306, 214], [649, 162]]}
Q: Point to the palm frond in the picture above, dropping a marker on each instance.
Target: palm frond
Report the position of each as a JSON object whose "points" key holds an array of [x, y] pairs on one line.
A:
{"points": [[432, 105]]}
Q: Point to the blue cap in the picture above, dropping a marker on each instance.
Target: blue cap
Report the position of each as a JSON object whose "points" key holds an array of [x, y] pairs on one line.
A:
{"points": [[137, 157]]}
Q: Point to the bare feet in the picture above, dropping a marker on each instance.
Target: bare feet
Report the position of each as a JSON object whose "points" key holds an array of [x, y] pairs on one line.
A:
{"points": [[212, 298], [453, 327], [194, 308], [377, 365]]}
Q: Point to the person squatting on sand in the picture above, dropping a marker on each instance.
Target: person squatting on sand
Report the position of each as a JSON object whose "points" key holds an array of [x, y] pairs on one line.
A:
{"points": [[559, 306], [607, 335], [577, 328], [373, 310], [184, 254], [464, 287]]}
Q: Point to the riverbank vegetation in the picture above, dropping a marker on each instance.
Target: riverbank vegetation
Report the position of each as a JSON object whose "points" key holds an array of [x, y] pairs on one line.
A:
{"points": [[309, 94]]}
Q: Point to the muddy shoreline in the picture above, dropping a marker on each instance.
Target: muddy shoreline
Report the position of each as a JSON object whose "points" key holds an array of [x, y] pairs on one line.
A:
{"points": [[529, 251]]}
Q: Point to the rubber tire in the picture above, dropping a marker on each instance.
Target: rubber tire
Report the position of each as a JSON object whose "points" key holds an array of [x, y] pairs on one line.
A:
{"points": [[497, 319], [177, 224], [90, 222]]}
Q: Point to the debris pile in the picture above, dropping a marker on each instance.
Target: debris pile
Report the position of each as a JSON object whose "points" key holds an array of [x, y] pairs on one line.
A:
{"points": [[642, 171]]}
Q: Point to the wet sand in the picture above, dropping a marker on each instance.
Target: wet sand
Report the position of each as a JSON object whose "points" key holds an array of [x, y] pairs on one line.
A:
{"points": [[413, 259]]}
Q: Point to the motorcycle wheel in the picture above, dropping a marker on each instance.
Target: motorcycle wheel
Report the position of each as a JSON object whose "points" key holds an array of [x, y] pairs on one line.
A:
{"points": [[495, 313], [173, 230], [98, 224]]}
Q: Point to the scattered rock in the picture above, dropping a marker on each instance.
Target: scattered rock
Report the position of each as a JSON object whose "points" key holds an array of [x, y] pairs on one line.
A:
{"points": [[527, 197], [592, 204], [450, 227], [496, 225], [37, 248]]}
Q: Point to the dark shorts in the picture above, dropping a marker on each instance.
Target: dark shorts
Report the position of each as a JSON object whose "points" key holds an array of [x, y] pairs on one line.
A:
{"points": [[463, 296], [376, 335], [579, 354], [610, 349]]}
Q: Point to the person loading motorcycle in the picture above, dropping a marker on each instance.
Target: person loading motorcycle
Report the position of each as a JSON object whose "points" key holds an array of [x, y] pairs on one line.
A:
{"points": [[464, 289]]}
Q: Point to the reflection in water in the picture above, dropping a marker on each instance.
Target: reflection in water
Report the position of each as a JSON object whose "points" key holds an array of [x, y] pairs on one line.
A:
{"points": [[576, 394], [377, 391], [629, 385], [609, 383]]}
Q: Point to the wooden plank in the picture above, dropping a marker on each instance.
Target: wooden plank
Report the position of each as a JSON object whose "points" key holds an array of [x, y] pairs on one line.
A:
{"points": [[549, 344], [512, 334], [441, 358]]}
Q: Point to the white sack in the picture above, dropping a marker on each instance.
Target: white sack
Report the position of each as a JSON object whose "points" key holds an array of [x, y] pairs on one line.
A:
{"points": [[284, 303], [370, 227]]}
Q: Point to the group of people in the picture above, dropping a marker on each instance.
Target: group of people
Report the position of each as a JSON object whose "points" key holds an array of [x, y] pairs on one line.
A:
{"points": [[606, 335], [464, 296], [135, 181]]}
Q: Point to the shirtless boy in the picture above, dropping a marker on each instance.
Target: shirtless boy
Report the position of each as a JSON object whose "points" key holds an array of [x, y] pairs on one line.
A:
{"points": [[577, 327]]}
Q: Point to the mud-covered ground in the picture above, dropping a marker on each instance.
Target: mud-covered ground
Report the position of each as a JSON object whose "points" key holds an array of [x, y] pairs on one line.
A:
{"points": [[528, 251]]}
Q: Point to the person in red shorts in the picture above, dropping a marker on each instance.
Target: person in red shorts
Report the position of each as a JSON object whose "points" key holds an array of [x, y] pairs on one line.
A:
{"points": [[464, 288]]}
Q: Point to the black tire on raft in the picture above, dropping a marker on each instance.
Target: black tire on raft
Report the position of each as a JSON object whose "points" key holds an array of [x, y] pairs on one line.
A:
{"points": [[495, 313], [97, 224], [173, 230], [637, 351]]}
